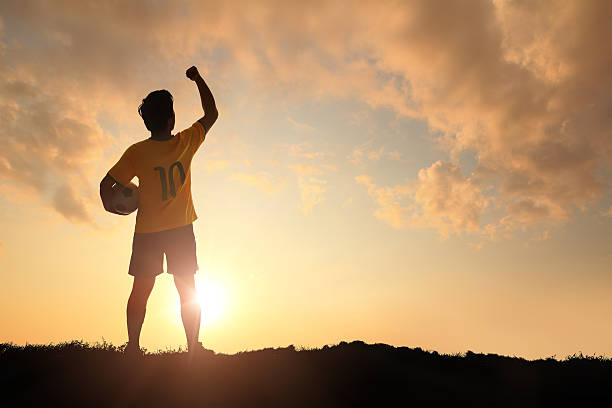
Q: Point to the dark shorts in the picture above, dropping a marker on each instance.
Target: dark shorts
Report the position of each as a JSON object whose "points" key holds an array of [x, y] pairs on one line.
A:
{"points": [[148, 252]]}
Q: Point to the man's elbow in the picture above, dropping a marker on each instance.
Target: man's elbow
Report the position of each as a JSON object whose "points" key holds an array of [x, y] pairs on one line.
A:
{"points": [[102, 190], [209, 119], [214, 114], [104, 196], [106, 190]]}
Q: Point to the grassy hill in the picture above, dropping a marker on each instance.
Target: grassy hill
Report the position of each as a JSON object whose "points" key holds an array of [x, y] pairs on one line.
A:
{"points": [[348, 374]]}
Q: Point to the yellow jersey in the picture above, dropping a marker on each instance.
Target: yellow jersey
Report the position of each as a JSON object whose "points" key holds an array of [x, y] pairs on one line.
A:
{"points": [[163, 168]]}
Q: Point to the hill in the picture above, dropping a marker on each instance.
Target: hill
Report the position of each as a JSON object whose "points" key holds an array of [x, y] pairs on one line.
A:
{"points": [[348, 374]]}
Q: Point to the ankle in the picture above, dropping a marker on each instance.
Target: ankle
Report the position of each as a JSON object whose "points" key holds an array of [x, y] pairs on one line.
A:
{"points": [[132, 345]]}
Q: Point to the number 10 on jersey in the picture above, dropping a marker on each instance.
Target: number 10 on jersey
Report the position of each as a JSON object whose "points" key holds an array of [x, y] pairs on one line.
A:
{"points": [[167, 178]]}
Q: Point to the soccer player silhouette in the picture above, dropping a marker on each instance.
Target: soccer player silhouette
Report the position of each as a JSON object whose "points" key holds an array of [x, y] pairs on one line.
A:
{"points": [[164, 222]]}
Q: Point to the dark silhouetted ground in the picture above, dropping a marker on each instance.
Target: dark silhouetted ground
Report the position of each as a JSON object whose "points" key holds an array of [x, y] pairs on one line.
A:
{"points": [[346, 375]]}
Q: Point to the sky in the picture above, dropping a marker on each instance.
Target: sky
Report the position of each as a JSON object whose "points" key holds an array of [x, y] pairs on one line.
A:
{"points": [[431, 174]]}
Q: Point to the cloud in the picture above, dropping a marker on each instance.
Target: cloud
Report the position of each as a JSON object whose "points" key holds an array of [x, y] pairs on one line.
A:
{"points": [[527, 93], [444, 199], [310, 171], [261, 180], [305, 170], [70, 205], [304, 150], [300, 126], [394, 155], [312, 188], [523, 86], [389, 201], [447, 200], [366, 152], [441, 198], [48, 143], [537, 121], [312, 193], [212, 166], [530, 101], [355, 157]]}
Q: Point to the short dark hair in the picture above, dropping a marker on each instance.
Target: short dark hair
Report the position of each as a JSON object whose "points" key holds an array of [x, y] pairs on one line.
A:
{"points": [[156, 109]]}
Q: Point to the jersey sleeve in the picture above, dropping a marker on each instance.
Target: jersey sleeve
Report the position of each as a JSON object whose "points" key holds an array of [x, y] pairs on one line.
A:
{"points": [[123, 171], [195, 134]]}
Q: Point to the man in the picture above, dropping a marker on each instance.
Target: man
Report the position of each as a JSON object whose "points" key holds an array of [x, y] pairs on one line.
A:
{"points": [[165, 215]]}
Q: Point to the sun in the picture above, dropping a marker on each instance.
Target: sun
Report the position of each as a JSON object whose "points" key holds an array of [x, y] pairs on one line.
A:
{"points": [[212, 298]]}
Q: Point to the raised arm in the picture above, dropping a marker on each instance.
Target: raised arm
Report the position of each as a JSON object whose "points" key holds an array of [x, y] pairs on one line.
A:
{"points": [[208, 102]]}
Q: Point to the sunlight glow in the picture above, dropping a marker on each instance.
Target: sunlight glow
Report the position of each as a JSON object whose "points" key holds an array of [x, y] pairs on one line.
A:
{"points": [[213, 300]]}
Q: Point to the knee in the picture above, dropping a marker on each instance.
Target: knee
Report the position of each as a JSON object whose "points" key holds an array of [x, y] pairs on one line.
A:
{"points": [[186, 289], [137, 300], [188, 297], [140, 292]]}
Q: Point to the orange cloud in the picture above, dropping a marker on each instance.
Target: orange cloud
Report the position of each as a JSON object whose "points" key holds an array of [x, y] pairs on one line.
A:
{"points": [[447, 200], [388, 199], [304, 150], [365, 151], [300, 126], [71, 206], [48, 145], [212, 166], [537, 123], [312, 188], [261, 180], [524, 86], [312, 193]]}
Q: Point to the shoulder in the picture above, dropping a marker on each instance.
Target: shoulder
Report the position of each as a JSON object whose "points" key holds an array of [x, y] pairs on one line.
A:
{"points": [[200, 126], [135, 150], [196, 127], [195, 132], [138, 146], [190, 136]]}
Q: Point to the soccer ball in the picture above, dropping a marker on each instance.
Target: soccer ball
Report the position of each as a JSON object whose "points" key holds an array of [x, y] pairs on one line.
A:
{"points": [[125, 200]]}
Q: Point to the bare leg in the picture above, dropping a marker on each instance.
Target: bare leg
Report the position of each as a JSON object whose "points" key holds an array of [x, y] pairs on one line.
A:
{"points": [[137, 307], [190, 308]]}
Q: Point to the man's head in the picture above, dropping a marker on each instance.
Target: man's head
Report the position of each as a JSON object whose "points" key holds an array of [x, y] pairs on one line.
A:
{"points": [[157, 112]]}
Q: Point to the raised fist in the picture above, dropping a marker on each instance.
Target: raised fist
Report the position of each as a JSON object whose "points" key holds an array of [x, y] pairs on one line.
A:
{"points": [[192, 73]]}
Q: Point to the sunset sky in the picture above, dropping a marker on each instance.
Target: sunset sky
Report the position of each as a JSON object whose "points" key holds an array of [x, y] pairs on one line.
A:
{"points": [[431, 174]]}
